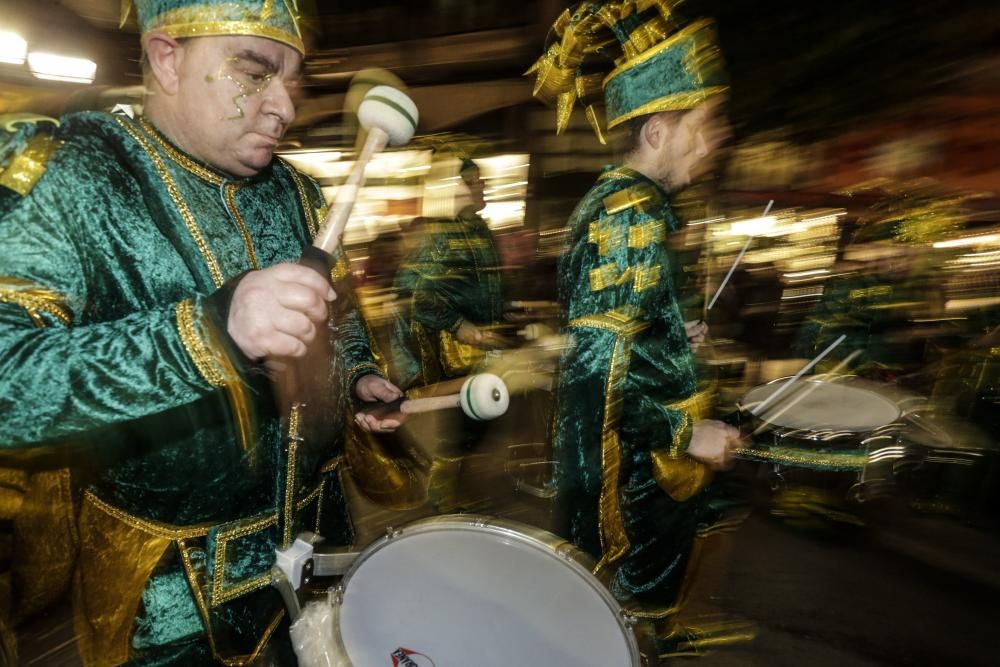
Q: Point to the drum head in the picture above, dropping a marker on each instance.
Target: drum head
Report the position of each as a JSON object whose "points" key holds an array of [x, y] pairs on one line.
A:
{"points": [[461, 593], [817, 405]]}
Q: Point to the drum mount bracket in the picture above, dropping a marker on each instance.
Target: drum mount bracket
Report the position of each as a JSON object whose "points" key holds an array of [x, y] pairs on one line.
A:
{"points": [[305, 558]]}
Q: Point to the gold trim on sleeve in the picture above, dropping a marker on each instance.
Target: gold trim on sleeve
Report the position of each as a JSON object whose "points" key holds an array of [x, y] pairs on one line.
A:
{"points": [[365, 365], [164, 530], [35, 300], [681, 477], [695, 407], [206, 361]]}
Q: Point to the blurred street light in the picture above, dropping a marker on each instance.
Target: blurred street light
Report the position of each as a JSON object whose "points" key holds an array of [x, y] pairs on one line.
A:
{"points": [[61, 68], [13, 48]]}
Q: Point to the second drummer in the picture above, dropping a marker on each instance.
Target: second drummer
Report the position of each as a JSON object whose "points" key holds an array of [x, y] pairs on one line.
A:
{"points": [[633, 448]]}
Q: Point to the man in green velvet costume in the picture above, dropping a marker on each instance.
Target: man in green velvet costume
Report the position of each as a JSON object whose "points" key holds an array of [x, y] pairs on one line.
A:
{"points": [[453, 283], [452, 288], [149, 291], [634, 452]]}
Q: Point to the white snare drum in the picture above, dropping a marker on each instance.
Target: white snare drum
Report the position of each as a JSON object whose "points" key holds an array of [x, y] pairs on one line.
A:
{"points": [[814, 405], [465, 591], [821, 426]]}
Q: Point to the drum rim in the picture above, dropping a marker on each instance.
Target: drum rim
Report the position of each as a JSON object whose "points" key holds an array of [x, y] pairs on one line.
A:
{"points": [[811, 434], [542, 540]]}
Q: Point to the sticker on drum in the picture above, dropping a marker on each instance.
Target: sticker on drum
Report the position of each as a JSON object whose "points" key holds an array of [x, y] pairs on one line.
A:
{"points": [[456, 591], [816, 405]]}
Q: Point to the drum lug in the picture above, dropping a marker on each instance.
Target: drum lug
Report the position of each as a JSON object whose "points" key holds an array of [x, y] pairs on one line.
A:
{"points": [[628, 619], [391, 532], [335, 595]]}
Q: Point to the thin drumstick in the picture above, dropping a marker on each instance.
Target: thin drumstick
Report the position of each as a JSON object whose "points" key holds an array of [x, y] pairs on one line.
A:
{"points": [[770, 419], [328, 237], [736, 263], [805, 369]]}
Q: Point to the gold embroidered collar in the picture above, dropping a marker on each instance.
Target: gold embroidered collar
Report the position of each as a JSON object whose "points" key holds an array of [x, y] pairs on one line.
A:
{"points": [[175, 154]]}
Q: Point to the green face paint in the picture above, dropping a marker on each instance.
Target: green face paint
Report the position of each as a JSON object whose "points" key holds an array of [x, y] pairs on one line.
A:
{"points": [[251, 78]]}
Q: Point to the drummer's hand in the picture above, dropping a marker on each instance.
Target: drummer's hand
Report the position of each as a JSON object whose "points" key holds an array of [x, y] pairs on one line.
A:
{"points": [[274, 311], [470, 334], [370, 388], [712, 443], [696, 331]]}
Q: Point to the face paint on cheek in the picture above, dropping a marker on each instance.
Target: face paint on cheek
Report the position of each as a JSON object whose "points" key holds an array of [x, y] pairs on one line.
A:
{"points": [[226, 71]]}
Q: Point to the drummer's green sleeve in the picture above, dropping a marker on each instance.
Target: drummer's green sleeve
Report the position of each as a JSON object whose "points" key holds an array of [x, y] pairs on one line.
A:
{"points": [[65, 368]]}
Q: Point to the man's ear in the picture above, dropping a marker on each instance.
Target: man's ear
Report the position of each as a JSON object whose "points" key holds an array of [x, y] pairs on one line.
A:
{"points": [[654, 131], [164, 53]]}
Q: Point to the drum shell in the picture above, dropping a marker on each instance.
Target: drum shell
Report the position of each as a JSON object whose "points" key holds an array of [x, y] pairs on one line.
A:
{"points": [[634, 632]]}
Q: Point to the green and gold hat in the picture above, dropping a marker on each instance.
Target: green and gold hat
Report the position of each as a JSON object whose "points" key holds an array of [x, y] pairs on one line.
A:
{"points": [[274, 19], [656, 63]]}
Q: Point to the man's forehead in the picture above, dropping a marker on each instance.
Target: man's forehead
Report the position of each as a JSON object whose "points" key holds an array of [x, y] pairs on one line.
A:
{"points": [[254, 48]]}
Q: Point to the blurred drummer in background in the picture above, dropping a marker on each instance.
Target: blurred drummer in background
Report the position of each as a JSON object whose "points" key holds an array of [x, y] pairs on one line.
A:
{"points": [[452, 279], [634, 451], [451, 285]]}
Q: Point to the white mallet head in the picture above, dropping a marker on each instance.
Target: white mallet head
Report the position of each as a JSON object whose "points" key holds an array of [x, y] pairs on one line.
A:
{"points": [[484, 397], [390, 110]]}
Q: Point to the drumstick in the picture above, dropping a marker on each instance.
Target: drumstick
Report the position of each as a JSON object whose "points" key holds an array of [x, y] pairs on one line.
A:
{"points": [[768, 420], [482, 397], [738, 258], [783, 388], [391, 119]]}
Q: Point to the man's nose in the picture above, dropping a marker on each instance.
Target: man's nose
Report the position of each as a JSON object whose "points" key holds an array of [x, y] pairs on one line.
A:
{"points": [[278, 102]]}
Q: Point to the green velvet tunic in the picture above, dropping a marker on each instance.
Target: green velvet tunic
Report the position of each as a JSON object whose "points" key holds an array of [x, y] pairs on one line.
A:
{"points": [[626, 394], [114, 273], [451, 276]]}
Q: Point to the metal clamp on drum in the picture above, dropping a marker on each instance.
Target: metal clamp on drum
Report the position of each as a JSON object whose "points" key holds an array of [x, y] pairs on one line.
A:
{"points": [[304, 559]]}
